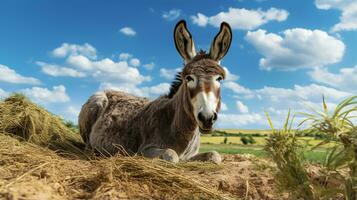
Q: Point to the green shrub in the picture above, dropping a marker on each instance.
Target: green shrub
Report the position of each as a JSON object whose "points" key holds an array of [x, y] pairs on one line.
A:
{"points": [[247, 139]]}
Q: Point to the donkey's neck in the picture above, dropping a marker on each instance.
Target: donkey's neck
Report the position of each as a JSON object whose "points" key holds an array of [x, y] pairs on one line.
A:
{"points": [[184, 121]]}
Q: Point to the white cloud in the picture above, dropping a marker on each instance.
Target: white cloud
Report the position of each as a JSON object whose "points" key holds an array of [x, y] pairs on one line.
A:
{"points": [[169, 74], [43, 95], [56, 70], [298, 48], [241, 107], [72, 112], [239, 120], [241, 18], [200, 19], [171, 14], [277, 101], [149, 66], [295, 98], [298, 94], [81, 62], [348, 19], [10, 76], [345, 79], [122, 75], [3, 93], [237, 88], [224, 107], [108, 70], [125, 56], [135, 62], [128, 31], [159, 89], [68, 112], [74, 49], [230, 76], [151, 91]]}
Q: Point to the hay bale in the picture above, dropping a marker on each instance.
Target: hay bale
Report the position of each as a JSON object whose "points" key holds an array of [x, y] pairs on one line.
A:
{"points": [[20, 117]]}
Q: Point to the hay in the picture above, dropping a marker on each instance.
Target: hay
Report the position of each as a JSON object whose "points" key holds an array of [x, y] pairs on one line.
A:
{"points": [[38, 166], [22, 118]]}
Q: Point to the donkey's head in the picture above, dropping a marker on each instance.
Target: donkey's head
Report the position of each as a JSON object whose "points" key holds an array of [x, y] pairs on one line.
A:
{"points": [[202, 73]]}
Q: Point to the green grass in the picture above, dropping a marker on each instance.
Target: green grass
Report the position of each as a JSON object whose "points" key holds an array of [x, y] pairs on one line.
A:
{"points": [[246, 131], [235, 146], [233, 149], [316, 156]]}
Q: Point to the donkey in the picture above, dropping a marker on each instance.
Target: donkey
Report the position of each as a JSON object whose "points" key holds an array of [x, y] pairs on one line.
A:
{"points": [[168, 127]]}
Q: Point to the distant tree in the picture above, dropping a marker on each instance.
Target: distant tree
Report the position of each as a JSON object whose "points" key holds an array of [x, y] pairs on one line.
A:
{"points": [[244, 140]]}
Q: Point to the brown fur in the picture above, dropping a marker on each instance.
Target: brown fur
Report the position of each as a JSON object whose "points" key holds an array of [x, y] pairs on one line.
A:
{"points": [[136, 123]]}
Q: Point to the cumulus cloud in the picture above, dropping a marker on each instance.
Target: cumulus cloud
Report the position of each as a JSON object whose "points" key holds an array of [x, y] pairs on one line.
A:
{"points": [[125, 56], [239, 120], [56, 70], [43, 95], [72, 112], [149, 66], [135, 62], [237, 88], [230, 76], [297, 48], [312, 92], [74, 49], [277, 101], [241, 107], [11, 76], [106, 69], [171, 14], [241, 18], [128, 31], [159, 89], [81, 64], [151, 91], [121, 75], [348, 19], [3, 93], [224, 106], [345, 79], [296, 97], [169, 74]]}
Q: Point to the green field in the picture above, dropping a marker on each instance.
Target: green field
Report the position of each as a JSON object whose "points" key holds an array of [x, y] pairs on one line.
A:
{"points": [[234, 144]]}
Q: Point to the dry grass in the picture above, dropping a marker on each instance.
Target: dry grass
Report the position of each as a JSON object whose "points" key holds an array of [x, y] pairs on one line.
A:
{"points": [[336, 177], [48, 162]]}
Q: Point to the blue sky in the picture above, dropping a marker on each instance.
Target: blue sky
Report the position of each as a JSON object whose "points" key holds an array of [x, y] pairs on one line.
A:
{"points": [[284, 54]]}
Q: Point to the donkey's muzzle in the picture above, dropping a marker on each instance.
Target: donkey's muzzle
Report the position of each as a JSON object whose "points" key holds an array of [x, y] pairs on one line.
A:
{"points": [[206, 122]]}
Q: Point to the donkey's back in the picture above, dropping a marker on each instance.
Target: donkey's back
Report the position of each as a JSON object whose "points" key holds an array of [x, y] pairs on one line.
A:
{"points": [[105, 107]]}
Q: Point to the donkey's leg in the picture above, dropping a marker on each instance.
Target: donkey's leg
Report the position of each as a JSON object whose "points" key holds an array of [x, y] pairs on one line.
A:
{"points": [[212, 156], [165, 154]]}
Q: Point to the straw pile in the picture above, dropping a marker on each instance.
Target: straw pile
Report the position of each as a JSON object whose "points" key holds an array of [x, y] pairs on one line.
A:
{"points": [[40, 158]]}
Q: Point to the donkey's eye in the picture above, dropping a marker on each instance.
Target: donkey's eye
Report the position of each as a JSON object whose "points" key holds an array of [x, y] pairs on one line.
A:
{"points": [[219, 78], [189, 78]]}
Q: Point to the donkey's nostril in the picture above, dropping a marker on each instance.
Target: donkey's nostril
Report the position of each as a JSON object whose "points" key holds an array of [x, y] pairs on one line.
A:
{"points": [[214, 118], [201, 117]]}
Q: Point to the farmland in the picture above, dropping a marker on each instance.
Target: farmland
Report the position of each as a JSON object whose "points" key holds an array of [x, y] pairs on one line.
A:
{"points": [[232, 144]]}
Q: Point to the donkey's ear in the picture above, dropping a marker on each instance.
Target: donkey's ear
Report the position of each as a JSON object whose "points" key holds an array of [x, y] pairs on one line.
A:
{"points": [[221, 42], [183, 41]]}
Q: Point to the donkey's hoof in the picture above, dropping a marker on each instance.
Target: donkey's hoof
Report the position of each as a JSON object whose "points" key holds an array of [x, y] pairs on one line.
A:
{"points": [[213, 156], [170, 155]]}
